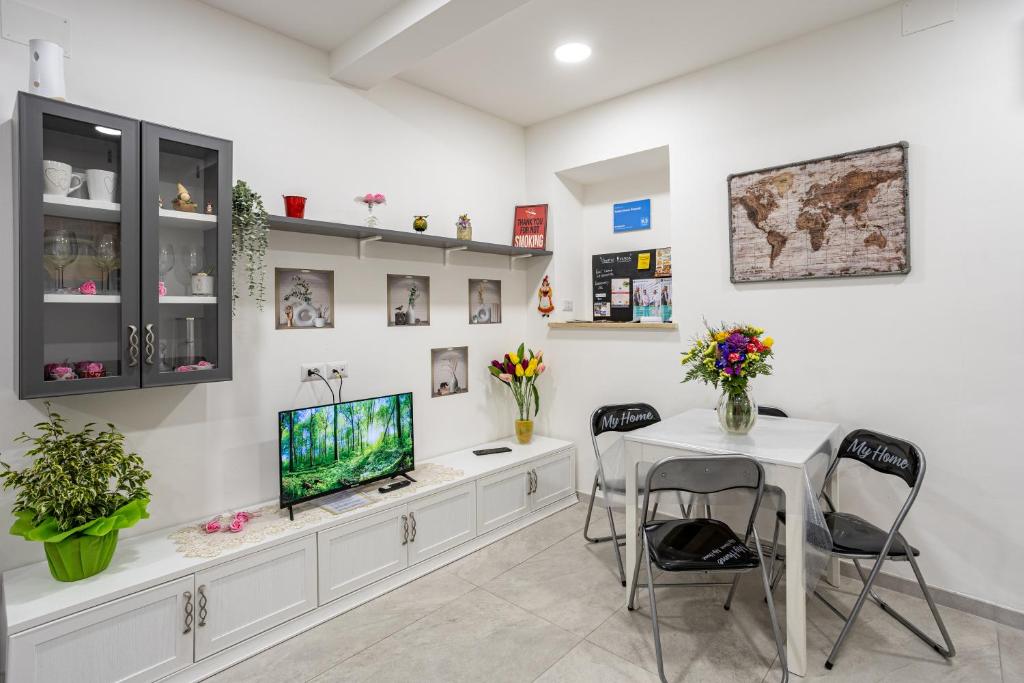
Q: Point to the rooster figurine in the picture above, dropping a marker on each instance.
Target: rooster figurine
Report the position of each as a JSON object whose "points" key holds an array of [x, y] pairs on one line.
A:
{"points": [[545, 298]]}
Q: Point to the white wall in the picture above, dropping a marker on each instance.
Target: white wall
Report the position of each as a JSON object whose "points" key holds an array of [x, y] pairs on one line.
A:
{"points": [[931, 356], [212, 448]]}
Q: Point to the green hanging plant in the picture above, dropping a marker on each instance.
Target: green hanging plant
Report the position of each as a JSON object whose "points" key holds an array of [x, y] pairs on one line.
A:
{"points": [[249, 240]]}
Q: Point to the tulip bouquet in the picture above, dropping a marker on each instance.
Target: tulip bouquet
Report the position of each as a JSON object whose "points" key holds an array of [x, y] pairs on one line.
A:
{"points": [[519, 371]]}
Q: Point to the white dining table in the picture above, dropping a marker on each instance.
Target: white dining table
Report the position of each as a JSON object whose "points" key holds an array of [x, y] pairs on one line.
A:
{"points": [[790, 450]]}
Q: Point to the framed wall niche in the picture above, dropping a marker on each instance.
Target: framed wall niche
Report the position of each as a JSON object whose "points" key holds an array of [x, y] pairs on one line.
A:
{"points": [[449, 371], [304, 298], [408, 300], [484, 302]]}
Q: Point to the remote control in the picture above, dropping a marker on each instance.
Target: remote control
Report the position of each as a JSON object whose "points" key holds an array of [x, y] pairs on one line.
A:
{"points": [[490, 451], [393, 487]]}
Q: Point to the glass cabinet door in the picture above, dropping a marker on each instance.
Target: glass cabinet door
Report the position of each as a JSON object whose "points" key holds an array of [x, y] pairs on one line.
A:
{"points": [[186, 257], [78, 246]]}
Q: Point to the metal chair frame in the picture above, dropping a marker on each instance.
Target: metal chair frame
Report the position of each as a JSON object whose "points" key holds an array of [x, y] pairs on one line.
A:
{"points": [[868, 579], [705, 482], [618, 540]]}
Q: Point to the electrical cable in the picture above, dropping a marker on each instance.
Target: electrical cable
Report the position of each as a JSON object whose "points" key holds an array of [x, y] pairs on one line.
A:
{"points": [[311, 373]]}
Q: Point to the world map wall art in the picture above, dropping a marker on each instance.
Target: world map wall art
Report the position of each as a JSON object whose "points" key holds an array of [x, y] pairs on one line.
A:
{"points": [[839, 216]]}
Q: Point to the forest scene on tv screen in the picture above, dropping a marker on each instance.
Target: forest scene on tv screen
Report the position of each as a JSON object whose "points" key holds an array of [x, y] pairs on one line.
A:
{"points": [[329, 448]]}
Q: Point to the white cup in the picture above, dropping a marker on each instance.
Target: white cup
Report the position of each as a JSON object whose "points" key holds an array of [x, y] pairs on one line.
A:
{"points": [[102, 184], [58, 179], [79, 191]]}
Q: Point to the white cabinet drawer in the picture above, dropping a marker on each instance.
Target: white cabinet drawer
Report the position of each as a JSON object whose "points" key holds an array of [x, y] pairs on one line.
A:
{"points": [[138, 638], [239, 599], [502, 498], [441, 521], [355, 555], [554, 478]]}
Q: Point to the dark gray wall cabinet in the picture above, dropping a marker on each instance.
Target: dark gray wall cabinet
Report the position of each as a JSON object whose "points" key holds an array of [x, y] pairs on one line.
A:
{"points": [[123, 280]]}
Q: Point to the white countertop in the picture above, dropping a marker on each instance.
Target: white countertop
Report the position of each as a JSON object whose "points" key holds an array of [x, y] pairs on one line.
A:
{"points": [[32, 597], [777, 440]]}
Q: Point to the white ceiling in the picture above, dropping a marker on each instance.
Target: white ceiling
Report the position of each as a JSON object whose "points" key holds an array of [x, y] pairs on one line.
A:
{"points": [[500, 60], [323, 24]]}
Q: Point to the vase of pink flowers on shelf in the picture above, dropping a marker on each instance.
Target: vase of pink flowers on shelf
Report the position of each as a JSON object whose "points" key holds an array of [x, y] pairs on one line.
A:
{"points": [[371, 200]]}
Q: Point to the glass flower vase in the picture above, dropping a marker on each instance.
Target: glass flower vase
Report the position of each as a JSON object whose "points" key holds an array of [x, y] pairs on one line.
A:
{"points": [[737, 412], [371, 220]]}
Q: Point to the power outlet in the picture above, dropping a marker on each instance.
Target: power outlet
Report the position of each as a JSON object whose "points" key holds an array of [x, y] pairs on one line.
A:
{"points": [[340, 365], [305, 368]]}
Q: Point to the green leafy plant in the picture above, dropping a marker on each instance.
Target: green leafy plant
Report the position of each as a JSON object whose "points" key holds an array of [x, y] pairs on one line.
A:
{"points": [[301, 291], [249, 240], [76, 477]]}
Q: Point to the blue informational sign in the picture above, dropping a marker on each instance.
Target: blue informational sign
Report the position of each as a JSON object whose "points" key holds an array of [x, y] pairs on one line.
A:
{"points": [[630, 216]]}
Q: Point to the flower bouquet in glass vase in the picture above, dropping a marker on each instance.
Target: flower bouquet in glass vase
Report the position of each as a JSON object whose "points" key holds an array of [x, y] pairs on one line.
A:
{"points": [[519, 371], [728, 358], [371, 200]]}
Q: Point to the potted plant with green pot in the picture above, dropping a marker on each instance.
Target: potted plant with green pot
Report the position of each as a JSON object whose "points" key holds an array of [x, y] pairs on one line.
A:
{"points": [[79, 491]]}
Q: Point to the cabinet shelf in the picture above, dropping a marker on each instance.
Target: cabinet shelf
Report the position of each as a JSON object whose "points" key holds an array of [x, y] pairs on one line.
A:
{"points": [[55, 298], [605, 325], [361, 232], [188, 299], [170, 218], [84, 209]]}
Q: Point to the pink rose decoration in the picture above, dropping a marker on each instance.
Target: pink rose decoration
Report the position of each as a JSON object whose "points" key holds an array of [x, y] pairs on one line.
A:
{"points": [[204, 364], [368, 198], [378, 198], [60, 372], [90, 368], [87, 287], [162, 288]]}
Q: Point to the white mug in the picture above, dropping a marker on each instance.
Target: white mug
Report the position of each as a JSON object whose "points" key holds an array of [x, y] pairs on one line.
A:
{"points": [[78, 191], [102, 184], [58, 179]]}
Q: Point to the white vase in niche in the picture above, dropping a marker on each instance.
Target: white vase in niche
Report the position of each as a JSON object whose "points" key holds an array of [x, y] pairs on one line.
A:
{"points": [[410, 316], [202, 284], [304, 315], [46, 69]]}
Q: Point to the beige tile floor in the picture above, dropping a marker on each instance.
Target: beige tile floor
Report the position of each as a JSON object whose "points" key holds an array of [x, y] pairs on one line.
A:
{"points": [[544, 605]]}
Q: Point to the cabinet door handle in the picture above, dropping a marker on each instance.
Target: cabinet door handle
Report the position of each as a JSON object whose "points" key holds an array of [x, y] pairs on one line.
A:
{"points": [[133, 350], [188, 612], [529, 482], [202, 605], [150, 346], [532, 476], [412, 520], [405, 529], [535, 482]]}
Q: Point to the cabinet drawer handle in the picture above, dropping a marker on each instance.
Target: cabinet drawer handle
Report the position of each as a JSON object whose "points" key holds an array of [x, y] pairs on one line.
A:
{"points": [[405, 529], [188, 612], [532, 483], [412, 528], [150, 347], [202, 605], [133, 350]]}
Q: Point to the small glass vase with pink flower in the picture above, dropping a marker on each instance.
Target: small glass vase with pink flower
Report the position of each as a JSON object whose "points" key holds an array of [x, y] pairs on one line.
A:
{"points": [[728, 357], [371, 199]]}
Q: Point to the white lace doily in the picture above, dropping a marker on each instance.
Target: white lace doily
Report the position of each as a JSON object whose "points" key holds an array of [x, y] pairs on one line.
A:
{"points": [[192, 541]]}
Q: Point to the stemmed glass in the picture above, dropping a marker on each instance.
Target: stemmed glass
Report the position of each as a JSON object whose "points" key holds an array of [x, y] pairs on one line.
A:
{"points": [[60, 249], [105, 256], [166, 260], [193, 264]]}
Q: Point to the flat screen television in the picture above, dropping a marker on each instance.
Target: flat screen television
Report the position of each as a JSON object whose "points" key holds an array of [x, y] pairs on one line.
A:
{"points": [[326, 449]]}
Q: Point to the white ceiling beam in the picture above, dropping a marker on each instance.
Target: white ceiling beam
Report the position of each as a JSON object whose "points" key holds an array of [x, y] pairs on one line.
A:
{"points": [[410, 32]]}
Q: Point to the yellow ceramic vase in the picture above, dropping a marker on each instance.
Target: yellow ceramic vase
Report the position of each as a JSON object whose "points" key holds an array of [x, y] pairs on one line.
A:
{"points": [[524, 431]]}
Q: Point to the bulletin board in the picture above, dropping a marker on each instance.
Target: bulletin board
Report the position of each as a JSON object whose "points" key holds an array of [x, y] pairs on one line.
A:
{"points": [[633, 285]]}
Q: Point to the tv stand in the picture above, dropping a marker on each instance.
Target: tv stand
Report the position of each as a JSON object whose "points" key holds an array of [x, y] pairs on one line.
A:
{"points": [[406, 475]]}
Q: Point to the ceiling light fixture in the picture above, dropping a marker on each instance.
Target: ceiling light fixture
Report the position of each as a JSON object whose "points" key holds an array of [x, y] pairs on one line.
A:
{"points": [[572, 53], [107, 131]]}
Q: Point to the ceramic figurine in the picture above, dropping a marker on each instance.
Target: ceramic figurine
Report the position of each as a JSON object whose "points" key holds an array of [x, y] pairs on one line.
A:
{"points": [[209, 207], [419, 223], [463, 227], [183, 201], [545, 298]]}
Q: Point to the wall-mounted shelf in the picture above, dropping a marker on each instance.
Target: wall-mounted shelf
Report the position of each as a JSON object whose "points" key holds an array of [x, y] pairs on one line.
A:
{"points": [[366, 235], [585, 325], [188, 299]]}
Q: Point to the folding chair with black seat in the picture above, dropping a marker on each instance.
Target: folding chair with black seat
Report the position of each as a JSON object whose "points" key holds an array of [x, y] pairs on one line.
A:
{"points": [[856, 539], [702, 545], [610, 476]]}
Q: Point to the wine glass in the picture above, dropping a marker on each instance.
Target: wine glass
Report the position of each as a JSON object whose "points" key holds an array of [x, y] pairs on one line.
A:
{"points": [[60, 249], [166, 260], [105, 256], [193, 264]]}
